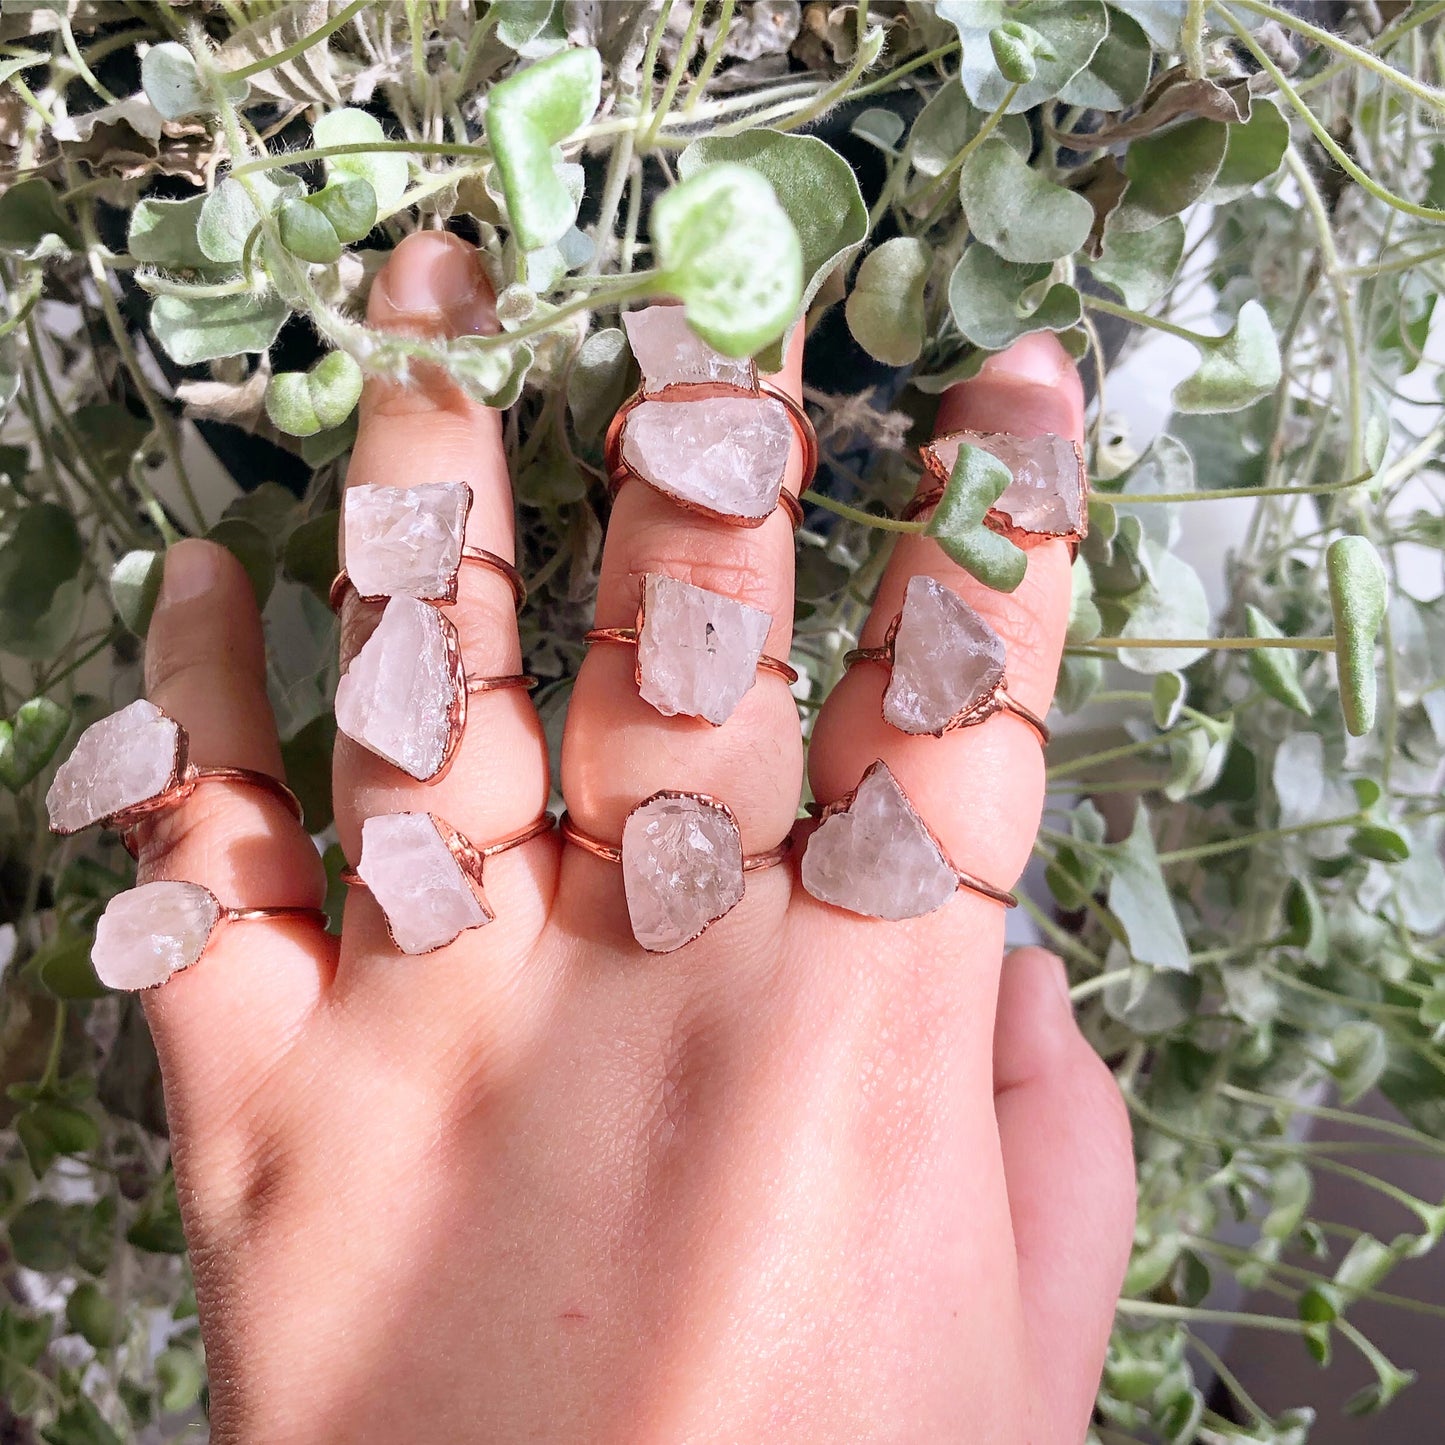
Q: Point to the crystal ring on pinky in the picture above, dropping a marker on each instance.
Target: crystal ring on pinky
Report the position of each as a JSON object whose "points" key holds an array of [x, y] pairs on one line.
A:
{"points": [[682, 865], [427, 878], [148, 933], [873, 855], [133, 765], [946, 665]]}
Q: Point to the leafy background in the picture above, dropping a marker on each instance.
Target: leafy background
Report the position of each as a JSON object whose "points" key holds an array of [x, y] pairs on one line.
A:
{"points": [[1241, 855]]}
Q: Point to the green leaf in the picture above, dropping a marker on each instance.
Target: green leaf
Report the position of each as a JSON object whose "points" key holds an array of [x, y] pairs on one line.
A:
{"points": [[252, 548], [307, 234], [302, 403], [33, 223], [1013, 47], [157, 1228], [349, 205], [307, 756], [1167, 697], [173, 84], [1169, 171], [193, 329], [882, 128], [1161, 20], [80, 1423], [1117, 75], [707, 234], [386, 172], [1018, 213], [42, 1236], [180, 1377], [1235, 369], [948, 122], [1253, 153], [1140, 265], [520, 21], [229, 214], [994, 301], [1358, 597], [28, 740], [1139, 899], [135, 583], [164, 233], [815, 187], [40, 591], [1170, 603], [528, 115], [598, 383], [92, 1314], [885, 307], [1275, 669], [310, 555], [62, 965], [1360, 1056], [1380, 842], [977, 481], [1073, 32]]}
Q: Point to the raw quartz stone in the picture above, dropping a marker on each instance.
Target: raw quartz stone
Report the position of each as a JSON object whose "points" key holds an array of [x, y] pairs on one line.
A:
{"points": [[668, 350], [682, 869], [946, 660], [426, 897], [406, 541], [1047, 491], [877, 858], [148, 933], [726, 454], [698, 651], [397, 695], [118, 762]]}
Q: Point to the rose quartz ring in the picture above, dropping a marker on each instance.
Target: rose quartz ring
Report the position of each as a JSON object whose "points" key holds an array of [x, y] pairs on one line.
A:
{"points": [[703, 429], [946, 665], [873, 855], [135, 764], [146, 934], [698, 652], [410, 542], [682, 865], [1047, 498], [427, 878]]}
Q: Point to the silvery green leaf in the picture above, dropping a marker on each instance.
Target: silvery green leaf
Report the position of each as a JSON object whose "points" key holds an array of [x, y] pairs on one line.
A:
{"points": [[33, 224], [29, 739], [1085, 623], [163, 233], [206, 328], [135, 583], [882, 128], [1170, 170], [1170, 604], [520, 21], [1359, 593], [1150, 1002], [1118, 72], [977, 481], [990, 299], [349, 204], [304, 403], [172, 84], [1253, 151], [885, 306], [1196, 758], [1073, 33], [386, 172], [948, 122], [1235, 369], [1275, 669], [306, 233], [1140, 265], [1165, 468], [1161, 20], [1079, 679], [1360, 1056], [1139, 899], [1017, 212], [229, 214], [597, 385], [1167, 696]]}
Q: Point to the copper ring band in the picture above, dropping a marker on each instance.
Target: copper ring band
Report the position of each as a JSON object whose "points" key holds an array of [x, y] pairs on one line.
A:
{"points": [[987, 890], [248, 915], [129, 822], [999, 700], [468, 854], [612, 852], [619, 471], [628, 636], [498, 684], [478, 555]]}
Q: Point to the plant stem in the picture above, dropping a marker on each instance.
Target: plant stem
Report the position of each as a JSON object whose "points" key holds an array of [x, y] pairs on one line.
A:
{"points": [[1250, 840], [1154, 1309], [856, 514], [679, 68], [1209, 644], [713, 57], [299, 47]]}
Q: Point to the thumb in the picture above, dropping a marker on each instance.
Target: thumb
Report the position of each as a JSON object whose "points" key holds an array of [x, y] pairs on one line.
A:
{"points": [[1069, 1166]]}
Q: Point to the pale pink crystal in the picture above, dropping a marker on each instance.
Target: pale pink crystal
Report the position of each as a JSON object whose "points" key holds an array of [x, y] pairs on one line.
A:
{"points": [[946, 659], [1047, 491], [669, 350], [148, 933], [426, 897], [698, 650], [118, 762], [397, 695], [725, 455], [877, 858], [405, 541], [682, 869]]}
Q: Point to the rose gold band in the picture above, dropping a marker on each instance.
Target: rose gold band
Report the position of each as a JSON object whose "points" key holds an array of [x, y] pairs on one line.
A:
{"points": [[248, 915], [479, 556], [499, 684], [987, 890], [612, 852], [191, 776], [467, 853], [620, 470], [628, 636]]}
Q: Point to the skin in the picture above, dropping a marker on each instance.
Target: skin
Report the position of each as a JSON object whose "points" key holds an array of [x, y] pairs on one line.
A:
{"points": [[812, 1178]]}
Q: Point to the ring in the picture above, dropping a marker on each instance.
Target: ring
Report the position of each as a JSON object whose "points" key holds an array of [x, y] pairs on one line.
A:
{"points": [[135, 764], [703, 429], [872, 854], [698, 651], [410, 542], [682, 865], [1048, 497], [404, 697], [946, 665], [148, 933], [427, 878]]}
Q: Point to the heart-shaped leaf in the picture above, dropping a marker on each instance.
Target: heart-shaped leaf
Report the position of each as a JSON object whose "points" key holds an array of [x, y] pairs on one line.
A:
{"points": [[1169, 171], [33, 223], [885, 307], [1017, 212], [231, 212], [350, 206], [1117, 74], [204, 328], [1139, 899], [977, 481], [1359, 594], [994, 301], [302, 403], [163, 233], [1235, 369], [1139, 265], [1275, 669], [252, 548], [1072, 32], [1253, 152], [307, 234], [173, 84], [28, 740], [386, 172], [1171, 603], [135, 583]]}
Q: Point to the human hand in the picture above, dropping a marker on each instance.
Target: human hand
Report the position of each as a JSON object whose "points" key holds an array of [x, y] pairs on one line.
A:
{"points": [[811, 1178]]}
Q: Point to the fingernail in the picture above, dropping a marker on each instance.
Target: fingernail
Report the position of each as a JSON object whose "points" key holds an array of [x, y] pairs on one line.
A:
{"points": [[192, 569], [434, 275], [1038, 358]]}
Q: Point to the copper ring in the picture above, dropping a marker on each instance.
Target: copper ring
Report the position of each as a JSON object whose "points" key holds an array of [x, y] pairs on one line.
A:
{"points": [[499, 684], [248, 915], [612, 852], [468, 855], [341, 583], [628, 635], [619, 470]]}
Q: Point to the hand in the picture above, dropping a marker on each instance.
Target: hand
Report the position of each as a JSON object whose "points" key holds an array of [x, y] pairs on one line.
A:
{"points": [[811, 1178]]}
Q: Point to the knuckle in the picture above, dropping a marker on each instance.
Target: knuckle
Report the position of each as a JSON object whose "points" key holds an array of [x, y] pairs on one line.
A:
{"points": [[740, 563]]}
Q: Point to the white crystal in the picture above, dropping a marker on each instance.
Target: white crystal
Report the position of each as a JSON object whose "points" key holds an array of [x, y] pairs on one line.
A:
{"points": [[148, 933], [682, 869], [698, 651], [118, 762], [426, 897], [726, 455], [668, 350], [946, 659], [877, 858], [405, 541], [1047, 491], [396, 696]]}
